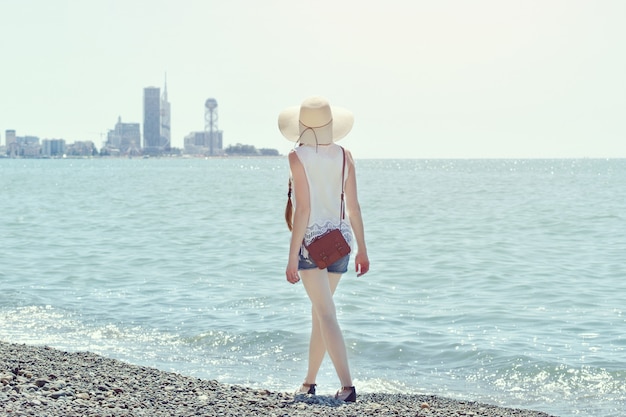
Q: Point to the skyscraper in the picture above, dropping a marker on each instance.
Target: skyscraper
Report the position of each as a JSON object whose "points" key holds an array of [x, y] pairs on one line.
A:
{"points": [[152, 120], [165, 119]]}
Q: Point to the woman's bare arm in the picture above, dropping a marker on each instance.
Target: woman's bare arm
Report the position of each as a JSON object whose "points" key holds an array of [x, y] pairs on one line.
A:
{"points": [[301, 215], [353, 207]]}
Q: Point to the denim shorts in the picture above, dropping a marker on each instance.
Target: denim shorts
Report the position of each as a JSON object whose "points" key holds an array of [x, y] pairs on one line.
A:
{"points": [[339, 267]]}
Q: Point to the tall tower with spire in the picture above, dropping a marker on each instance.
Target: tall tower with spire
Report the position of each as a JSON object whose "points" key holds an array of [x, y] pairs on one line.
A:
{"points": [[166, 135]]}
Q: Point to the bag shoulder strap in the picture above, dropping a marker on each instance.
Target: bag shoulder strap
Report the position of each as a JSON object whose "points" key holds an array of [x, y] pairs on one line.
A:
{"points": [[343, 178]]}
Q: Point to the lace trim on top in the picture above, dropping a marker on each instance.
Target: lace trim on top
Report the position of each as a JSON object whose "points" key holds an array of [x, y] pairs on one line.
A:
{"points": [[316, 230]]}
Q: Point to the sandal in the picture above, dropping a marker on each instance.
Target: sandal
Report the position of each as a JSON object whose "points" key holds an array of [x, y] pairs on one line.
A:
{"points": [[350, 398], [308, 389]]}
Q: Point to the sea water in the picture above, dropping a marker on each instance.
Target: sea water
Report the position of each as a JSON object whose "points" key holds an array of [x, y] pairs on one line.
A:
{"points": [[500, 281]]}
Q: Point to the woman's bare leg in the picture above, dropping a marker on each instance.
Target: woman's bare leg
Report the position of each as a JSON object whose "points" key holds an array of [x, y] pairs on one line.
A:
{"points": [[317, 349], [325, 332]]}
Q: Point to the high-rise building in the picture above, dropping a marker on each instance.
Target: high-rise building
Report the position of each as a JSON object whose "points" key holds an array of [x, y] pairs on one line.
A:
{"points": [[156, 121], [126, 138], [166, 137], [28, 146], [152, 120], [10, 137], [53, 147]]}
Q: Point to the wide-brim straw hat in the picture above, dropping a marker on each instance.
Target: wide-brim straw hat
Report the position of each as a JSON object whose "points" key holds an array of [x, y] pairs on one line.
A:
{"points": [[315, 122]]}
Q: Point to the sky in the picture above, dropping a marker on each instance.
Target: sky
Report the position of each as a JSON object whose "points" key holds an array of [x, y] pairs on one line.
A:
{"points": [[424, 79]]}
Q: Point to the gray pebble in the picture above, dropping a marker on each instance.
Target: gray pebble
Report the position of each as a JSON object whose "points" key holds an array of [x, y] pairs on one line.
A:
{"points": [[43, 381]]}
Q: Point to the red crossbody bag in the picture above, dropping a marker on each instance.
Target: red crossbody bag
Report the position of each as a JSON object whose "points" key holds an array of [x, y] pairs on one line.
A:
{"points": [[328, 248]]}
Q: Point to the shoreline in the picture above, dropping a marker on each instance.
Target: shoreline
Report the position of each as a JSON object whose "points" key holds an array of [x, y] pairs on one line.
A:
{"points": [[39, 380]]}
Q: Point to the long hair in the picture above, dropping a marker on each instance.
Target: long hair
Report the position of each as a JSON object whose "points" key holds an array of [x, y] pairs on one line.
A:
{"points": [[289, 209]]}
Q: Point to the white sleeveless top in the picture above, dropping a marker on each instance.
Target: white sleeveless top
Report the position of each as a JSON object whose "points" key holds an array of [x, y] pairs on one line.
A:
{"points": [[322, 165]]}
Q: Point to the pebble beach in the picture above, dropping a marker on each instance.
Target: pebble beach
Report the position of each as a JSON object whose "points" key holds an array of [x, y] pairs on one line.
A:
{"points": [[42, 381]]}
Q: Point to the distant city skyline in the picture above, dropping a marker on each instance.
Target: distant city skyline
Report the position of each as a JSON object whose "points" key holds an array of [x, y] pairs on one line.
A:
{"points": [[425, 79], [152, 138]]}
